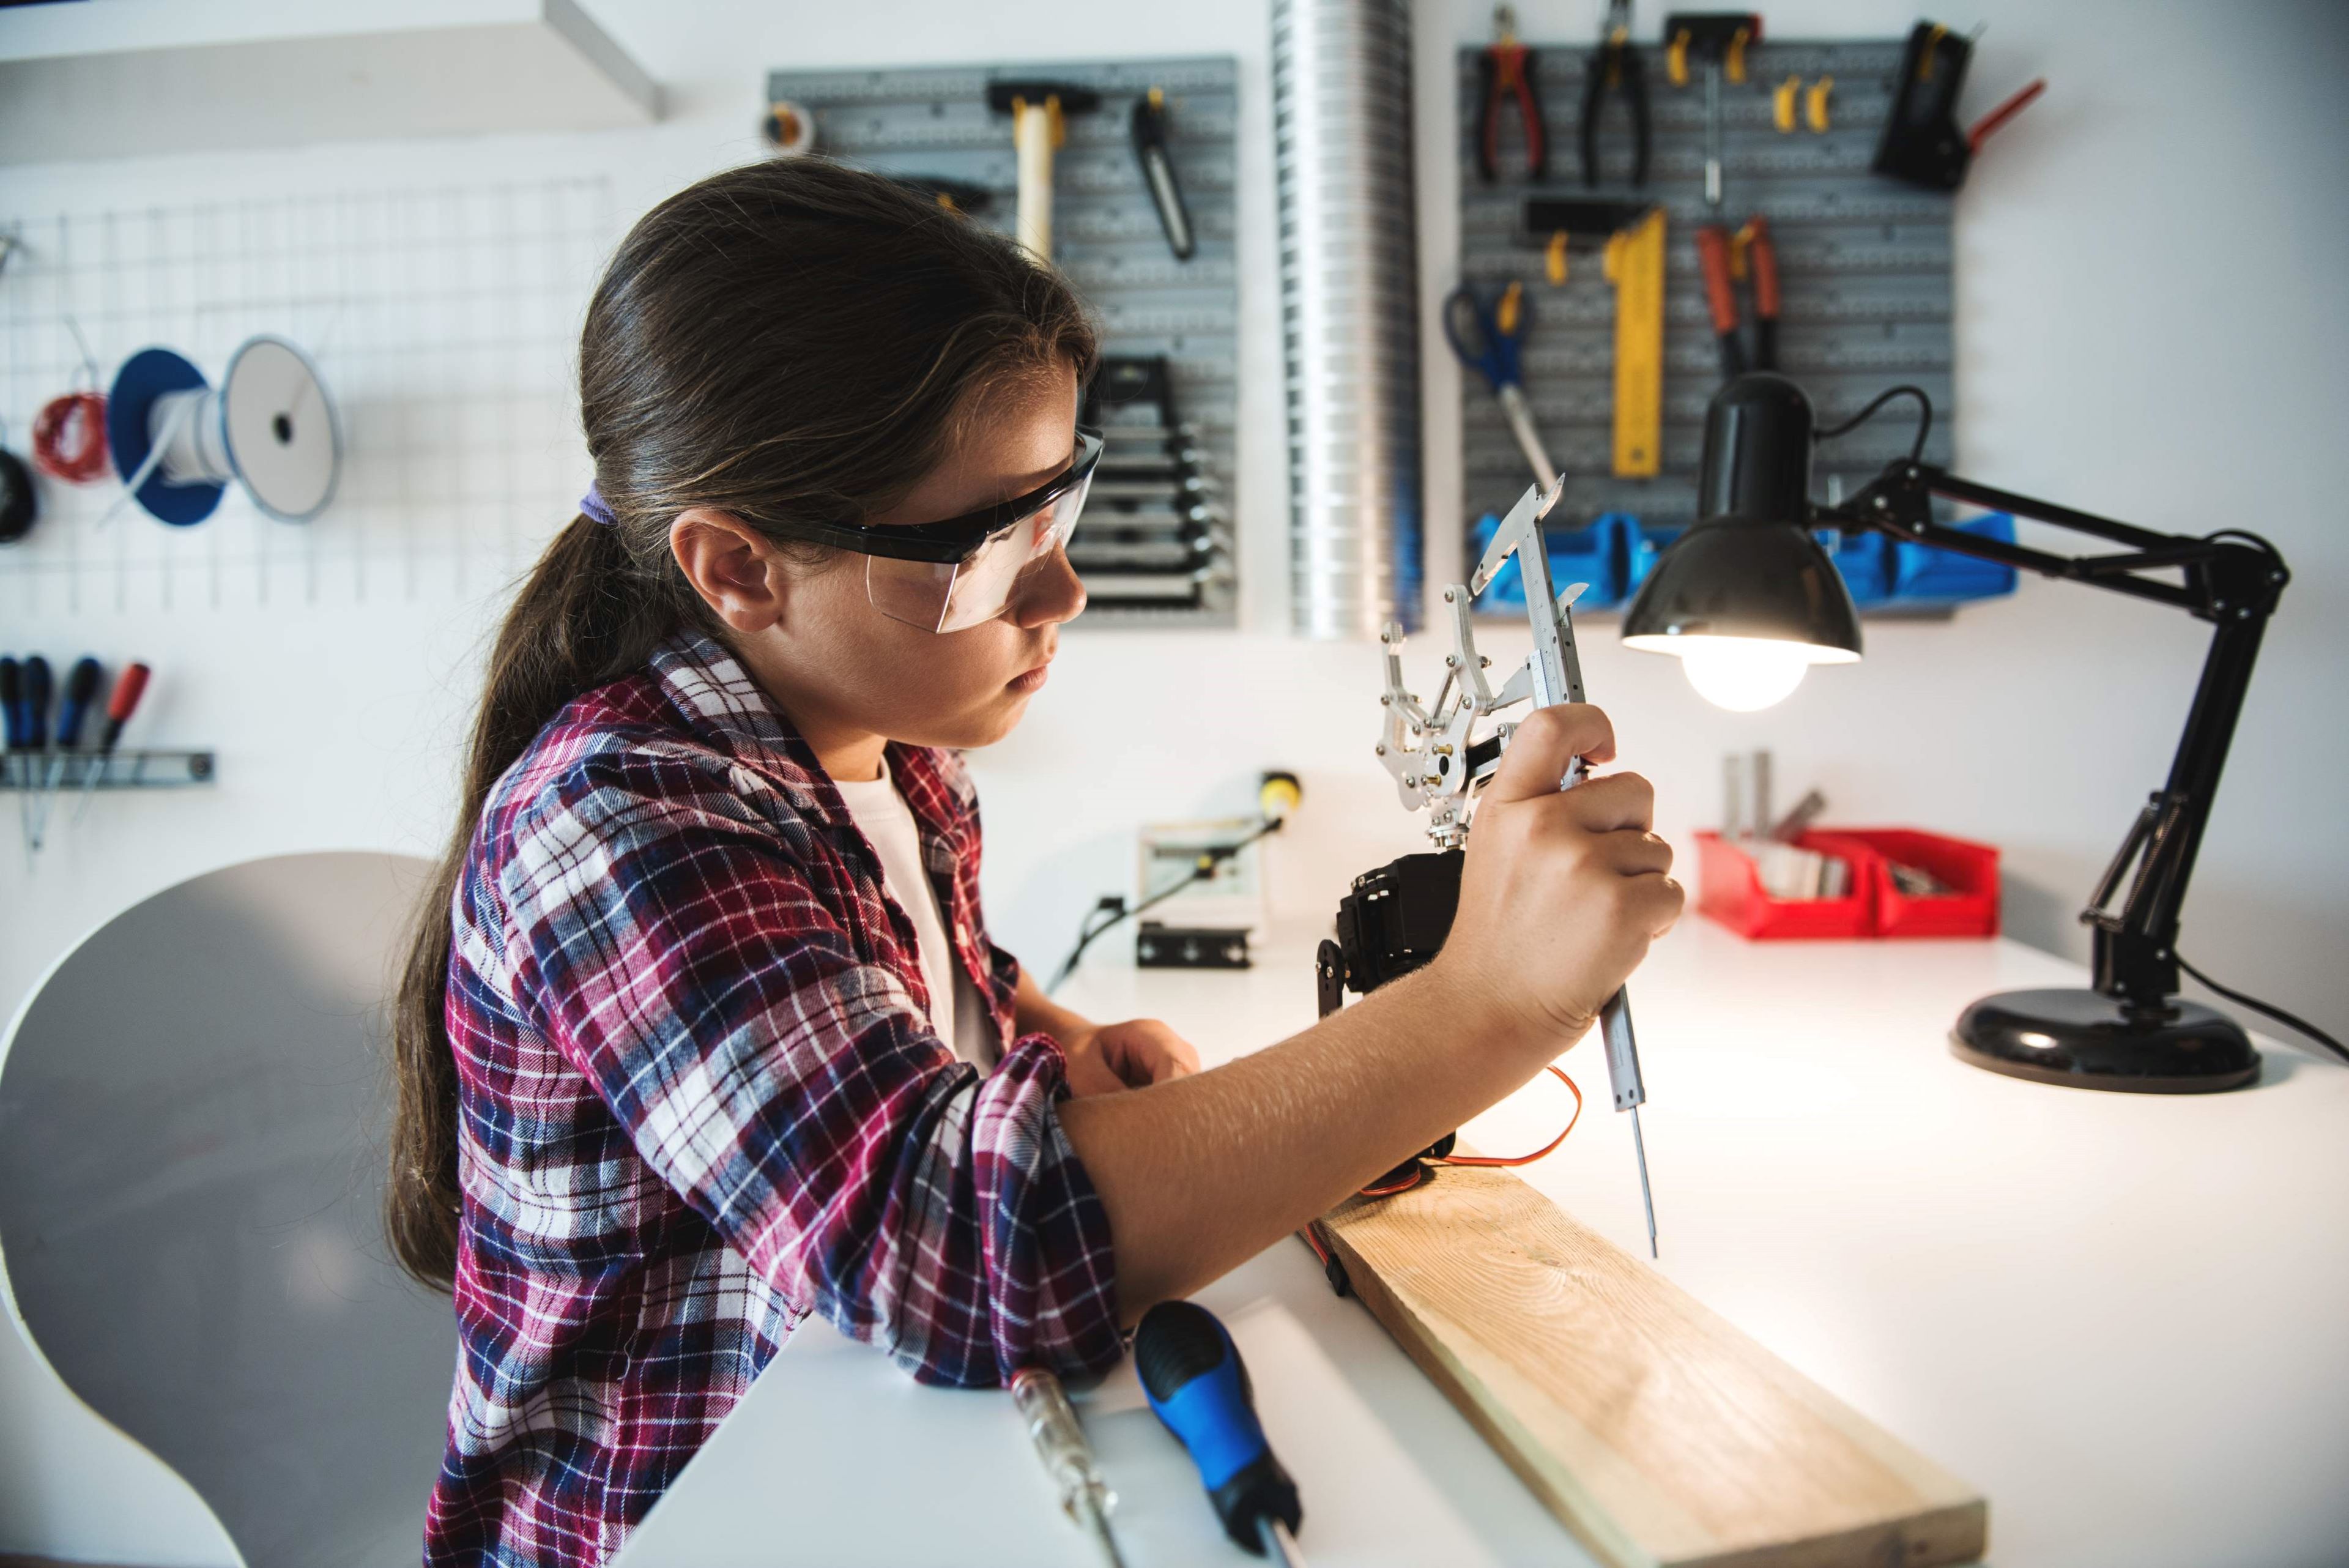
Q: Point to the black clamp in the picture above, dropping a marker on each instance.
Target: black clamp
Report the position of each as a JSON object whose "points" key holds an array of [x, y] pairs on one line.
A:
{"points": [[1615, 67]]}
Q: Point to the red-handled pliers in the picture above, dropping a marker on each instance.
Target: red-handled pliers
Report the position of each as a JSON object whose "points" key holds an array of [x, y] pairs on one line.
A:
{"points": [[1725, 258], [1506, 70]]}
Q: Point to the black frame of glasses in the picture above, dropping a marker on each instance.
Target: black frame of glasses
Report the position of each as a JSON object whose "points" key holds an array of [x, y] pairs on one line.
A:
{"points": [[956, 539]]}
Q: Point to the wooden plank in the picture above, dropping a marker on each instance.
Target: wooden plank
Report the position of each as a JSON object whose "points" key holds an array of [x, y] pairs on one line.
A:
{"points": [[1659, 1433]]}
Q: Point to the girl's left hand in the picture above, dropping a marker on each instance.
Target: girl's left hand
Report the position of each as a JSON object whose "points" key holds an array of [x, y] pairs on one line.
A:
{"points": [[1140, 1052]]}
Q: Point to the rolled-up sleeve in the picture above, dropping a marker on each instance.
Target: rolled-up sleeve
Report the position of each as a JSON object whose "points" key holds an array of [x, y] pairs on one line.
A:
{"points": [[677, 952]]}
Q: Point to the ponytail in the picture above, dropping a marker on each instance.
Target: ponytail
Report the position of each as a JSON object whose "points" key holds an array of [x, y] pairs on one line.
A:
{"points": [[578, 622]]}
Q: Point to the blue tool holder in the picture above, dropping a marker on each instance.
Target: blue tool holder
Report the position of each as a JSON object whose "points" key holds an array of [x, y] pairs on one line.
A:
{"points": [[1647, 544], [1865, 559], [1923, 577], [1882, 573], [1600, 555]]}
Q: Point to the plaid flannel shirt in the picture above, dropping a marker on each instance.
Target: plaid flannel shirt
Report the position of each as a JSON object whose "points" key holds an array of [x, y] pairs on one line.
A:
{"points": [[700, 1099]]}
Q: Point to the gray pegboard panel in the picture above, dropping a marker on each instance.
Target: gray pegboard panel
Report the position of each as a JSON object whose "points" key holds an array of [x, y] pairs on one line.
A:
{"points": [[1105, 237], [1864, 266]]}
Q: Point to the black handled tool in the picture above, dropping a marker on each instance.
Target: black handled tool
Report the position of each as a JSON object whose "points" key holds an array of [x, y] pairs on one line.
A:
{"points": [[1615, 67], [32, 710], [1198, 1386], [1158, 173], [12, 697], [1921, 143], [20, 504]]}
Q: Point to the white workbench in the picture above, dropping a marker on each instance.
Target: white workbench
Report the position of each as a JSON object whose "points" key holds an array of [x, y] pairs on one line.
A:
{"points": [[2124, 1318]]}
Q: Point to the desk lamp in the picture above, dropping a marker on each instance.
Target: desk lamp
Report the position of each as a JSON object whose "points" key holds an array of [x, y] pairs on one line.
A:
{"points": [[1749, 601]]}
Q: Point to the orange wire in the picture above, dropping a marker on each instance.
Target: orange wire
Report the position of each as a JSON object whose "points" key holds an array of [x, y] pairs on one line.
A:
{"points": [[1491, 1160], [1418, 1174], [1418, 1168]]}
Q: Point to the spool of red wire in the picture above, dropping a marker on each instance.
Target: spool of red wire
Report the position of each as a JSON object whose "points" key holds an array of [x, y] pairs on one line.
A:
{"points": [[69, 438]]}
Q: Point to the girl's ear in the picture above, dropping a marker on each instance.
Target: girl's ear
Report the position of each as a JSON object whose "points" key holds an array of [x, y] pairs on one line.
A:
{"points": [[733, 567]]}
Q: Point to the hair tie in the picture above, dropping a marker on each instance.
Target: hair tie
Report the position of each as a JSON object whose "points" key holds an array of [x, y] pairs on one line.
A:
{"points": [[592, 507]]}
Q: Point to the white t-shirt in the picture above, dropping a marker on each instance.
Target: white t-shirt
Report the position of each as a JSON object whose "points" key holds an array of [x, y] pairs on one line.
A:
{"points": [[959, 1015]]}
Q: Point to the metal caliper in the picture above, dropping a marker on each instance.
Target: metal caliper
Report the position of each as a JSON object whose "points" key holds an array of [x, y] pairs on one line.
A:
{"points": [[1438, 764]]}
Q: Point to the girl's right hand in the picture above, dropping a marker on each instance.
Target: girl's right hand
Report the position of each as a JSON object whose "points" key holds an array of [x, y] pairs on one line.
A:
{"points": [[1562, 891]]}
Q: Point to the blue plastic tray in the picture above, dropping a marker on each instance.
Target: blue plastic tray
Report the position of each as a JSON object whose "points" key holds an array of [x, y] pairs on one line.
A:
{"points": [[1865, 559], [1877, 570], [1924, 575], [1599, 554]]}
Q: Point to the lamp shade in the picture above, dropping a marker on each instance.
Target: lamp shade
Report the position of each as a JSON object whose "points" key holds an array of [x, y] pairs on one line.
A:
{"points": [[1749, 569]]}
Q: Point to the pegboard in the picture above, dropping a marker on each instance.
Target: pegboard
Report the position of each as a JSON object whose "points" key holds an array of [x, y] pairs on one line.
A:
{"points": [[444, 323], [1864, 264], [936, 123]]}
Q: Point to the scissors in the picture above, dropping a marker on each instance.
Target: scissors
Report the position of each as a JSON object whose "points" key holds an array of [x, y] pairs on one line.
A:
{"points": [[1488, 337]]}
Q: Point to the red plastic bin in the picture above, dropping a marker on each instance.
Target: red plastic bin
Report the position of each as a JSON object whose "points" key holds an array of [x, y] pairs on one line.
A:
{"points": [[1969, 869], [1729, 890]]}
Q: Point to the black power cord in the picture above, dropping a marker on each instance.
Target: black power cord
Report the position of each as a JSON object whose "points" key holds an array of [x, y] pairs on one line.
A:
{"points": [[1201, 869], [1924, 417], [2279, 1014]]}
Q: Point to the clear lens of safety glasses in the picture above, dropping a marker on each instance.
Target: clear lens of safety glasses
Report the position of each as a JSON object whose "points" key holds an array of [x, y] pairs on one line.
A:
{"points": [[950, 595]]}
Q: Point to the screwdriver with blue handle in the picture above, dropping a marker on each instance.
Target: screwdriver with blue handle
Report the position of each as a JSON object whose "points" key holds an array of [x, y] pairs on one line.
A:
{"points": [[82, 684], [1198, 1386]]}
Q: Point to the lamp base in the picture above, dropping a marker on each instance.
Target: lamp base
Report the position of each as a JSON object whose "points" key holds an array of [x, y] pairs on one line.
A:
{"points": [[2087, 1040]]}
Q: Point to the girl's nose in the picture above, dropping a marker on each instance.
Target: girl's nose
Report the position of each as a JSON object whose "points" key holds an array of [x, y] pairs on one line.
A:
{"points": [[1049, 592]]}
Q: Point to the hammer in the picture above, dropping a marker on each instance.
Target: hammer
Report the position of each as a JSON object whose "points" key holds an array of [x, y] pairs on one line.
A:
{"points": [[1037, 110]]}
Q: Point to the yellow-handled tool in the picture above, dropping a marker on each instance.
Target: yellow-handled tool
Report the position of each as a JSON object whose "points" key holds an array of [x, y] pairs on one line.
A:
{"points": [[1635, 266], [1039, 112], [1631, 236]]}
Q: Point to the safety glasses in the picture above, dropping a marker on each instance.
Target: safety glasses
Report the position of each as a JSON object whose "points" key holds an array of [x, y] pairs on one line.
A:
{"points": [[951, 576]]}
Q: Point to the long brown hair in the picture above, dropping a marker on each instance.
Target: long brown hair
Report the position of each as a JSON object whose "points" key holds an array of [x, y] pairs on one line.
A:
{"points": [[785, 341]]}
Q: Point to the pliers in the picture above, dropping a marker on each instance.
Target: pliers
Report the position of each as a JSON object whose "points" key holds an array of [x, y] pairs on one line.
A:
{"points": [[1727, 259], [1506, 69], [1615, 67]]}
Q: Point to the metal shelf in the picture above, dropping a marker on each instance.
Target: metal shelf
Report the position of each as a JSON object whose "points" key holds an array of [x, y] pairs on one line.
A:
{"points": [[115, 770]]}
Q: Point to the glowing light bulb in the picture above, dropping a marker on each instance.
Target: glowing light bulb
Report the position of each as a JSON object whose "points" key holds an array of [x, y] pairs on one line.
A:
{"points": [[1744, 674]]}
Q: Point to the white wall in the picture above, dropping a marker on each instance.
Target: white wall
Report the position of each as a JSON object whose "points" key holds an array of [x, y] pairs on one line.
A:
{"points": [[2150, 326]]}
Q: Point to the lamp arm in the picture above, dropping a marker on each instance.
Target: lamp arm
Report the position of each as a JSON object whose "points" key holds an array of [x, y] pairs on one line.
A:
{"points": [[2231, 583], [1898, 502]]}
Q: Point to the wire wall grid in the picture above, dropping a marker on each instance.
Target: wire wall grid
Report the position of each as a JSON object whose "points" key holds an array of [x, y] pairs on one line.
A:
{"points": [[444, 322], [1864, 264], [935, 124]]}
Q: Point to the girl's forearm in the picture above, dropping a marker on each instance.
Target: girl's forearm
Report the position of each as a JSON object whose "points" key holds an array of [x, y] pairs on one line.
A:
{"points": [[1034, 1012], [1202, 1173]]}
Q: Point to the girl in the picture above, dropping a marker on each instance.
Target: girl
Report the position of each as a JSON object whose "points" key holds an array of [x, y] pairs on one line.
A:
{"points": [[702, 1031]]}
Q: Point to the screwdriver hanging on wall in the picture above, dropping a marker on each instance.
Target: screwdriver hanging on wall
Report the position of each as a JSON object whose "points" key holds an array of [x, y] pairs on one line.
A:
{"points": [[82, 690], [12, 697], [32, 710], [1149, 125], [129, 686]]}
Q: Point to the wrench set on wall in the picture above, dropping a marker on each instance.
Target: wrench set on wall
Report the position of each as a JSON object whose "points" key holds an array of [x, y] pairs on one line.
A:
{"points": [[1122, 175]]}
